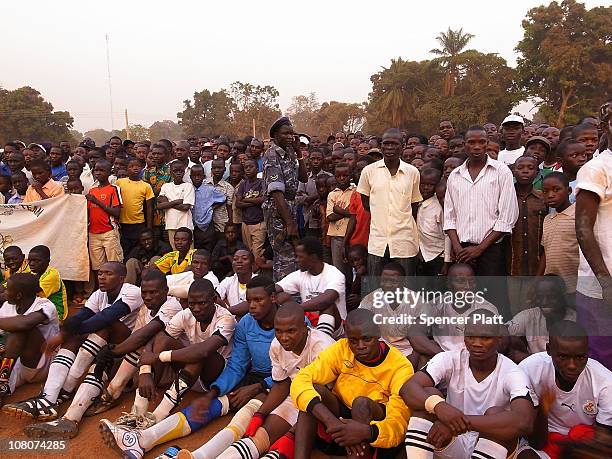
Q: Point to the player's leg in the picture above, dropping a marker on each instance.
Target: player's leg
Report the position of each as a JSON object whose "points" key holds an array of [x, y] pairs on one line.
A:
{"points": [[329, 320], [22, 356], [487, 446], [365, 410], [419, 425]]}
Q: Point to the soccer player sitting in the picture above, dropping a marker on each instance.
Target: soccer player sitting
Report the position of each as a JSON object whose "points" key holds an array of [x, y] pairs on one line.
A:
{"points": [[108, 316], [232, 290], [294, 346], [49, 279], [199, 268], [178, 260], [363, 410], [575, 394], [321, 287], [488, 404], [30, 321], [160, 308], [247, 375]]}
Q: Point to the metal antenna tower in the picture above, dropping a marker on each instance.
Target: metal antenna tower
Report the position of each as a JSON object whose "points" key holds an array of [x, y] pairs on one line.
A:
{"points": [[110, 88]]}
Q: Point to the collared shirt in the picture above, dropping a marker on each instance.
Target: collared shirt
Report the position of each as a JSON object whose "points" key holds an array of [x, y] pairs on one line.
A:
{"points": [[475, 208], [205, 197], [432, 240], [341, 198], [309, 189], [561, 246], [391, 199], [208, 169], [280, 172], [220, 215], [157, 177], [526, 236], [51, 189]]}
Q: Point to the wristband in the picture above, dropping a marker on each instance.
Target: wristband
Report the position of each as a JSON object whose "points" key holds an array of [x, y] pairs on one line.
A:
{"points": [[165, 356], [145, 370], [431, 402]]}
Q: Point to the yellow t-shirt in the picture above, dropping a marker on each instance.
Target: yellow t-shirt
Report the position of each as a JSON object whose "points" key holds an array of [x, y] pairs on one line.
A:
{"points": [[134, 193], [169, 262], [6, 273], [350, 378], [53, 289]]}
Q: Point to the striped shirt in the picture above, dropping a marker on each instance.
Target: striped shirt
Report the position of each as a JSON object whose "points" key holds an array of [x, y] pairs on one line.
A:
{"points": [[475, 208], [561, 246]]}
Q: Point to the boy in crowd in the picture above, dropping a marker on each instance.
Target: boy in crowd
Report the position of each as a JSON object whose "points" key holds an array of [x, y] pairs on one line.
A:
{"points": [[489, 404], [43, 186], [199, 269], [179, 259], [249, 197], [56, 160], [307, 194], [492, 149], [574, 393], [74, 186], [321, 288], [207, 198], [91, 397], [20, 183], [221, 214], [559, 242], [176, 199], [539, 148], [225, 248], [5, 188], [30, 322], [137, 206], [588, 136], [108, 316], [232, 290], [358, 228], [51, 284], [156, 175], [319, 209], [338, 214], [234, 388], [15, 262], [362, 413], [512, 131], [104, 207], [143, 255], [572, 156], [451, 164]]}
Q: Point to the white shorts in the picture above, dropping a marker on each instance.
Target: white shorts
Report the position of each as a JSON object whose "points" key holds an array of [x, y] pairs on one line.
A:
{"points": [[524, 446], [287, 411], [22, 374], [463, 446]]}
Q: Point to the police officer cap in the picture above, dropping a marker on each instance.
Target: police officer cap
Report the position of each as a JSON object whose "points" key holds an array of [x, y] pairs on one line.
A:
{"points": [[282, 121]]}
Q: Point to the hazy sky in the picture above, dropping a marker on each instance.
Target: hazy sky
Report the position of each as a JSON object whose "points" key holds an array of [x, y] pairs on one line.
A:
{"points": [[163, 51]]}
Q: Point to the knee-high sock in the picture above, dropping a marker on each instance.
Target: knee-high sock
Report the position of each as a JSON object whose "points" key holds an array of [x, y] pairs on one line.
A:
{"points": [[126, 371], [327, 324], [178, 425], [174, 394], [58, 370], [416, 439], [141, 404], [86, 355], [242, 449], [486, 448], [85, 395], [234, 431], [285, 445]]}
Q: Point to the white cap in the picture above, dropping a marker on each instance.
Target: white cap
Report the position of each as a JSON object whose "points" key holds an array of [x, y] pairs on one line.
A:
{"points": [[304, 140], [513, 119]]}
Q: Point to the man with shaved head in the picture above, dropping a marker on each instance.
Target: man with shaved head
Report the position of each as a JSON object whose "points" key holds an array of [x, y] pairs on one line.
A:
{"points": [[108, 316], [181, 155]]}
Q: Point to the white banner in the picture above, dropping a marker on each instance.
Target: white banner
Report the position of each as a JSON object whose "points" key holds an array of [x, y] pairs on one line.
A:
{"points": [[59, 223]]}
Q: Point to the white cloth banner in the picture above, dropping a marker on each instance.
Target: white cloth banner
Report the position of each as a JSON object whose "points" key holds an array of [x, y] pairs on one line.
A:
{"points": [[59, 223]]}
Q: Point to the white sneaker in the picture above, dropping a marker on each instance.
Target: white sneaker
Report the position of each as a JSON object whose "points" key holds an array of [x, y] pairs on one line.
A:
{"points": [[124, 441]]}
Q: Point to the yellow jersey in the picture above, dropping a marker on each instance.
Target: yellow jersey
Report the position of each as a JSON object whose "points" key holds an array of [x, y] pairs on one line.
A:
{"points": [[54, 290], [169, 263]]}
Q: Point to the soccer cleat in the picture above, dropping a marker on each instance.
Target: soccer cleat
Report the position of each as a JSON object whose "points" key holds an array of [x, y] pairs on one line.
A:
{"points": [[36, 408], [135, 421], [123, 441], [101, 404], [170, 453], [60, 428]]}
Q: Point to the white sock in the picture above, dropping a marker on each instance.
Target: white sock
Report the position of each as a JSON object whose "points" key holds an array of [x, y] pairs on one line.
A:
{"points": [[233, 432], [175, 426], [86, 355], [141, 404], [242, 449], [89, 389], [416, 439], [124, 374], [327, 324], [173, 396], [489, 449], [58, 370]]}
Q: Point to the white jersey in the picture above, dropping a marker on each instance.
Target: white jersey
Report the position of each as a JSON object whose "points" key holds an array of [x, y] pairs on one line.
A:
{"points": [[166, 312], [129, 294], [509, 157], [185, 327], [231, 290], [178, 284], [451, 370], [395, 334], [531, 324], [309, 286], [449, 335], [48, 328], [286, 364], [588, 402]]}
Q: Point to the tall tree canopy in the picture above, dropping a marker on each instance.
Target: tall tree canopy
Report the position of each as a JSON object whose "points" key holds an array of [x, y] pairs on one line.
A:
{"points": [[208, 114], [452, 43]]}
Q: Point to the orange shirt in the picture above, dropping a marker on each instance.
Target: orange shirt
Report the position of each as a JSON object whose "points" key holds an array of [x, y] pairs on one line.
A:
{"points": [[362, 221], [51, 189], [99, 221]]}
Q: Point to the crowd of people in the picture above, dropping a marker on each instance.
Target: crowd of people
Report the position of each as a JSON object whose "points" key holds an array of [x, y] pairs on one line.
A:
{"points": [[270, 276]]}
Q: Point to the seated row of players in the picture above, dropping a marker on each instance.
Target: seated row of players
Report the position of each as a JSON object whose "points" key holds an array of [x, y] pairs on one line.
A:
{"points": [[292, 383]]}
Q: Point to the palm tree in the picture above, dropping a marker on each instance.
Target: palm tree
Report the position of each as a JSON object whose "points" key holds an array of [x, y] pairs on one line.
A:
{"points": [[396, 99], [452, 43]]}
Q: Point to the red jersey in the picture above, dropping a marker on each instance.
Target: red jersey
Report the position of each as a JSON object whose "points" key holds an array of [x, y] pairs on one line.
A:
{"points": [[100, 221], [362, 221]]}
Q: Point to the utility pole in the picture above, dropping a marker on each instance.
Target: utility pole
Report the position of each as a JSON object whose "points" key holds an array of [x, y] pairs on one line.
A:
{"points": [[254, 134], [127, 126], [110, 89]]}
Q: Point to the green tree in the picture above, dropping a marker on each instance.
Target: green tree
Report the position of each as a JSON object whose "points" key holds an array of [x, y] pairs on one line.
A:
{"points": [[102, 136], [208, 114], [77, 136], [303, 111], [25, 115], [565, 65], [137, 133], [254, 104], [452, 43], [339, 116], [165, 129]]}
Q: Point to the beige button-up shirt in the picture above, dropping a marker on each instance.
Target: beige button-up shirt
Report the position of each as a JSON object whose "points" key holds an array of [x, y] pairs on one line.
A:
{"points": [[432, 240], [391, 199], [341, 198]]}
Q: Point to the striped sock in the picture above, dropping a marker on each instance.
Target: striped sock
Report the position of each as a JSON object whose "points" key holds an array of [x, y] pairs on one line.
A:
{"points": [[125, 373], [416, 439], [173, 396], [326, 324], [58, 370], [487, 449], [86, 355], [89, 389], [242, 449]]}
